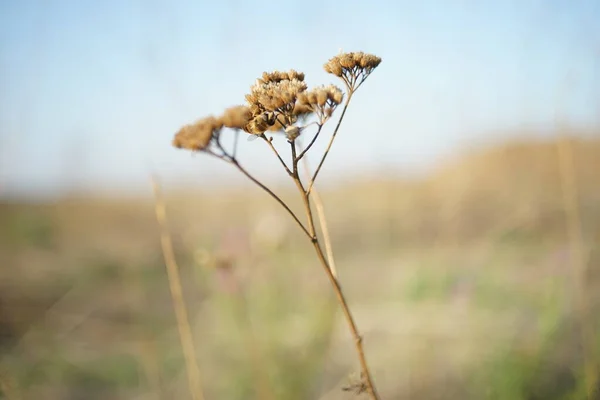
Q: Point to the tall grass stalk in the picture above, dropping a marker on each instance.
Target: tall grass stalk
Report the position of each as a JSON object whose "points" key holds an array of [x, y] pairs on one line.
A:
{"points": [[322, 220], [183, 324], [578, 260]]}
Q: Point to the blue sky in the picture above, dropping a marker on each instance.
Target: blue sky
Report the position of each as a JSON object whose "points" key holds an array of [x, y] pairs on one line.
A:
{"points": [[92, 92]]}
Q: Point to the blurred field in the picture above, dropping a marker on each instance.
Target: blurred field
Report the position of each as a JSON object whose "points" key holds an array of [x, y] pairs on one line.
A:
{"points": [[463, 284]]}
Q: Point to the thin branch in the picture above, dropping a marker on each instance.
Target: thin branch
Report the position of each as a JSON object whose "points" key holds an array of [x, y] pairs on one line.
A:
{"points": [[314, 139], [270, 143], [183, 324], [362, 80], [337, 127], [234, 162], [322, 220], [576, 244]]}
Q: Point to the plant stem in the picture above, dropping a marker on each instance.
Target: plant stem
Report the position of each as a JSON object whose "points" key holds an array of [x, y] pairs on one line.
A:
{"points": [[579, 267], [351, 324], [314, 139], [287, 169], [337, 127], [320, 214], [336, 287], [183, 324], [271, 193]]}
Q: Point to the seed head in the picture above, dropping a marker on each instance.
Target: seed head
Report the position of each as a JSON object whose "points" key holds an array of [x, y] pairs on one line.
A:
{"points": [[320, 96], [236, 117], [348, 61], [277, 76], [322, 100], [334, 67], [197, 136], [351, 66], [275, 96], [272, 101], [302, 110]]}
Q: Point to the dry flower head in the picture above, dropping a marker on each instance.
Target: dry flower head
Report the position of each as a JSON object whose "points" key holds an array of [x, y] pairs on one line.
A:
{"points": [[197, 136], [275, 96], [272, 101], [279, 99], [321, 100], [236, 117], [278, 76], [352, 66]]}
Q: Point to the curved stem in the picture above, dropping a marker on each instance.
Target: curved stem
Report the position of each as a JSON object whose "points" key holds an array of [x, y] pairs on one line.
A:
{"points": [[314, 139], [232, 160], [270, 192], [287, 169], [337, 127]]}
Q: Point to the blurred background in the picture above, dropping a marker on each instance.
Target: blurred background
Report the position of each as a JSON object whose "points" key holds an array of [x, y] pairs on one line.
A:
{"points": [[462, 197]]}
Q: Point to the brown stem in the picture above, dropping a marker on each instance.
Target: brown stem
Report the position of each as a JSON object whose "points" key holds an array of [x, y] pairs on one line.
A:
{"points": [[351, 324], [183, 324], [337, 289], [231, 160], [277, 154], [576, 246], [266, 189], [314, 139], [320, 214], [294, 162], [337, 127]]}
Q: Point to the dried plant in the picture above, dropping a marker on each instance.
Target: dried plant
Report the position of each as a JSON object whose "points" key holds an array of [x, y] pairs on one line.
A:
{"points": [[579, 268], [281, 101], [181, 313]]}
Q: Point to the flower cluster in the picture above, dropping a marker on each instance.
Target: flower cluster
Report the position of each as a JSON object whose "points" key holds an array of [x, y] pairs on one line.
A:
{"points": [[272, 101], [236, 117], [278, 76], [278, 100], [352, 66], [322, 101], [197, 136]]}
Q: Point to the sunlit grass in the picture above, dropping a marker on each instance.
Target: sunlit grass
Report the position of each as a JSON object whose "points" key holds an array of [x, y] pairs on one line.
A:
{"points": [[450, 308]]}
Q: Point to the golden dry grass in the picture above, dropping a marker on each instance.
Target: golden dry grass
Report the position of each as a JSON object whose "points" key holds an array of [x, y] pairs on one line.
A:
{"points": [[482, 240]]}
